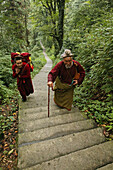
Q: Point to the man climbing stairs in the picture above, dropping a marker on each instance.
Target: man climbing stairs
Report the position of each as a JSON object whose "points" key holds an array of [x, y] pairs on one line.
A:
{"points": [[67, 140]]}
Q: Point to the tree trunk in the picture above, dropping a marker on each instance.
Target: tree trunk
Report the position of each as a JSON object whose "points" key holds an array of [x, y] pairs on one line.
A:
{"points": [[26, 32], [26, 29], [61, 6]]}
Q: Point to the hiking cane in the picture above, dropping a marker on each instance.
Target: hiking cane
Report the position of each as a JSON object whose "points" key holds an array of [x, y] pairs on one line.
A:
{"points": [[48, 99]]}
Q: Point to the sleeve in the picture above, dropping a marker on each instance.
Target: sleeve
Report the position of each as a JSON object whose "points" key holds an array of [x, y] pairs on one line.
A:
{"points": [[81, 70], [54, 72], [14, 73]]}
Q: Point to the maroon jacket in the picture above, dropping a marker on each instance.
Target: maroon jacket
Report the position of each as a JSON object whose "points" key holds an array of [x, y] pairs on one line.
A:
{"points": [[66, 75], [24, 82]]}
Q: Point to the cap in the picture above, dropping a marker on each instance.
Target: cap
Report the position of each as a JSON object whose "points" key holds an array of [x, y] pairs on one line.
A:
{"points": [[67, 53]]}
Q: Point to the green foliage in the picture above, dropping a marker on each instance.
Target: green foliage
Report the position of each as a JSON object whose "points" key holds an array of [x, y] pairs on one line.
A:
{"points": [[49, 23], [38, 60], [100, 111], [5, 123], [95, 53], [7, 83], [50, 54], [13, 24], [5, 70]]}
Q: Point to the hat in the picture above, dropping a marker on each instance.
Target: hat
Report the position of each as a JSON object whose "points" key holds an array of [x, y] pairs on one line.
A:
{"points": [[18, 57], [25, 54], [14, 54], [67, 53]]}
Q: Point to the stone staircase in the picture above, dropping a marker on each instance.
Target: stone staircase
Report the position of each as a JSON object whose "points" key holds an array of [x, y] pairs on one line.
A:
{"points": [[67, 140]]}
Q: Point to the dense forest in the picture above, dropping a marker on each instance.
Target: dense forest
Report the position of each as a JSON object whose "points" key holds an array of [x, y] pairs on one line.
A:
{"points": [[84, 27]]}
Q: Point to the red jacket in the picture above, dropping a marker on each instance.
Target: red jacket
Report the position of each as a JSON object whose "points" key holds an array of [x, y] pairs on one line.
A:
{"points": [[66, 75], [24, 82], [25, 72]]}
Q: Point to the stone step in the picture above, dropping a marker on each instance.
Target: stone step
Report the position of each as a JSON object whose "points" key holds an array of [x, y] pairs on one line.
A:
{"points": [[54, 132], [30, 126], [31, 114], [35, 100], [107, 167], [56, 148], [38, 109], [86, 159]]}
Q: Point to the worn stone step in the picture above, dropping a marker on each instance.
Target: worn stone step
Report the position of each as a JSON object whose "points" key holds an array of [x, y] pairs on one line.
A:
{"points": [[37, 109], [44, 151], [107, 167], [27, 115], [36, 100], [86, 159], [54, 132], [48, 122]]}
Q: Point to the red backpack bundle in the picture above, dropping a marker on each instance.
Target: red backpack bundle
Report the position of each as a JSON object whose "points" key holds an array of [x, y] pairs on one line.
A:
{"points": [[25, 58], [13, 55]]}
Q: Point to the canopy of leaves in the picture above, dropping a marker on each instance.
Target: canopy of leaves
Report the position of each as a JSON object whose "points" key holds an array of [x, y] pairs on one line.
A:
{"points": [[48, 17], [11, 24]]}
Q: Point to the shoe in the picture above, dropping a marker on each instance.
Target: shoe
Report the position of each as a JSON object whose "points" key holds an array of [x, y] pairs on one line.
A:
{"points": [[24, 100]]}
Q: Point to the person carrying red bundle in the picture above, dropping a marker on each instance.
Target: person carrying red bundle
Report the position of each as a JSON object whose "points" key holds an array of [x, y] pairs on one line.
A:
{"points": [[21, 71]]}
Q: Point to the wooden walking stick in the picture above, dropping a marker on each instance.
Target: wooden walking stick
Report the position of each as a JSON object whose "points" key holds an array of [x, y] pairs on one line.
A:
{"points": [[48, 99]]}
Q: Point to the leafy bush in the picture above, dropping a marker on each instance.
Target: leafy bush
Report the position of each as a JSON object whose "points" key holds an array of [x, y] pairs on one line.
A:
{"points": [[99, 58], [100, 111], [7, 83], [5, 122], [38, 60]]}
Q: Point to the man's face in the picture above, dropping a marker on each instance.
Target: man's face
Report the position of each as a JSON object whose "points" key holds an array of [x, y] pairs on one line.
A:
{"points": [[19, 63], [68, 61]]}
